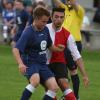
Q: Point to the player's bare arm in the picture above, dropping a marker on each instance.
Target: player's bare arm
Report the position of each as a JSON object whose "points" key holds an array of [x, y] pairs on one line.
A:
{"points": [[78, 59], [22, 67], [74, 4], [81, 67], [58, 3], [58, 48]]}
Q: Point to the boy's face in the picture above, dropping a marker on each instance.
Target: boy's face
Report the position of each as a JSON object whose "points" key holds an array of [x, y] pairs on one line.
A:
{"points": [[41, 22], [9, 6], [58, 18], [18, 5]]}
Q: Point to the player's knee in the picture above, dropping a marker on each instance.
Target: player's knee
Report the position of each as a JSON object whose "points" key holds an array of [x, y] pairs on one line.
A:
{"points": [[52, 85], [34, 83], [34, 80], [63, 84]]}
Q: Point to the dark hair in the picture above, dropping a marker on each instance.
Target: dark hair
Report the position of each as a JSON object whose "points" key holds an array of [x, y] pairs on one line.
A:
{"points": [[57, 10], [39, 12]]}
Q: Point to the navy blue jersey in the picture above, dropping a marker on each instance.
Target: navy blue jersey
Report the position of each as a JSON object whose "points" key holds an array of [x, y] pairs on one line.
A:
{"points": [[33, 44], [22, 17]]}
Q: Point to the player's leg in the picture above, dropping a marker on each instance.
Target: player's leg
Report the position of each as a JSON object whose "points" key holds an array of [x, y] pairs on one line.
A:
{"points": [[34, 79], [73, 69], [73, 72], [49, 82], [75, 82], [42, 82], [60, 72], [52, 89], [5, 33]]}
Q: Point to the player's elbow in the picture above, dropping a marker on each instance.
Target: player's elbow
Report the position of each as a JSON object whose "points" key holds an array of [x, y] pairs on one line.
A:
{"points": [[14, 50]]}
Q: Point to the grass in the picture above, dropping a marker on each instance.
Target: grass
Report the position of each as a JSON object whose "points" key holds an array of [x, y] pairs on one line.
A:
{"points": [[12, 82]]}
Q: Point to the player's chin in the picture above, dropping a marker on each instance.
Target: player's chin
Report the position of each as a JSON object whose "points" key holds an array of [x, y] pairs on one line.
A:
{"points": [[41, 27], [59, 25]]}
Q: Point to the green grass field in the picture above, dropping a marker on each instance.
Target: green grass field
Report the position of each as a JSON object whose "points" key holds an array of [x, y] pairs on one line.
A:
{"points": [[12, 83]]}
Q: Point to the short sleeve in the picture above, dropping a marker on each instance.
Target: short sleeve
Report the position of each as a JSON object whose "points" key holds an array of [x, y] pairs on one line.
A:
{"points": [[23, 40]]}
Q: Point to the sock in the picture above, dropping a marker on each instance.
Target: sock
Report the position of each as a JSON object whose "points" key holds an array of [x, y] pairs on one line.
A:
{"points": [[69, 95], [5, 35], [76, 83], [27, 92], [50, 95]]}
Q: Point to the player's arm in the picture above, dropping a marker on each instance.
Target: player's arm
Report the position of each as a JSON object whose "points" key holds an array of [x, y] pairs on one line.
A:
{"points": [[58, 48], [17, 55], [74, 4], [77, 58], [55, 48], [79, 10], [11, 21], [59, 3], [81, 67], [20, 48], [22, 67]]}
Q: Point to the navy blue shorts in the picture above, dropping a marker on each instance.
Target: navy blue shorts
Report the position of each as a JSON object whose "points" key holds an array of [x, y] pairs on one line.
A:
{"points": [[41, 69], [70, 62]]}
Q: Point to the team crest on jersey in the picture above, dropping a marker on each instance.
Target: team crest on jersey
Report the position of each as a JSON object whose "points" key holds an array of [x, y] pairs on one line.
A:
{"points": [[43, 45]]}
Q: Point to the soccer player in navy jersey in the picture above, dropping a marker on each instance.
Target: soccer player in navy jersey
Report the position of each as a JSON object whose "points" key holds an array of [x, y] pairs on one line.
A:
{"points": [[30, 54], [57, 61], [22, 19]]}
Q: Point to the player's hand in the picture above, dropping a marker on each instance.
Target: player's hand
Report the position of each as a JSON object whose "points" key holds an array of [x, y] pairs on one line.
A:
{"points": [[22, 68], [72, 2], [86, 81], [61, 47]]}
